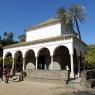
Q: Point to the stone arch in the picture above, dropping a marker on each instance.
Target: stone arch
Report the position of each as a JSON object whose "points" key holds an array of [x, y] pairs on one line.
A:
{"points": [[61, 58], [8, 60], [8, 53], [30, 60], [75, 58], [18, 60], [43, 58]]}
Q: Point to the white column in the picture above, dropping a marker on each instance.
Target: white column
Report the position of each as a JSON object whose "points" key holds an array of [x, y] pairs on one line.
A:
{"points": [[45, 67], [12, 70], [72, 66], [36, 63], [51, 63], [23, 63]]}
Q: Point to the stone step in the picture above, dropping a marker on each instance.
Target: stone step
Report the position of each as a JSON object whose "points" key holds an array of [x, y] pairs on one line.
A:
{"points": [[76, 83]]}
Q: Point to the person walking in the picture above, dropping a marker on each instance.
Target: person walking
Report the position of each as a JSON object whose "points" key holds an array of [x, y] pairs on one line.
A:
{"points": [[7, 74]]}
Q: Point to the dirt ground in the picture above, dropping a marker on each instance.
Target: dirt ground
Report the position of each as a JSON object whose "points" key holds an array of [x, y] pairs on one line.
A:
{"points": [[34, 88]]}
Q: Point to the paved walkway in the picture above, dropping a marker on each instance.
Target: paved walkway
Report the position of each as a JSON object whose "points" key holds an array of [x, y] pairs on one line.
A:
{"points": [[34, 88]]}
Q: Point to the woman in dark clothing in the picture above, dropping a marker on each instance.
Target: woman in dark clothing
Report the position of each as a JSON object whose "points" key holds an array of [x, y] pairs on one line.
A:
{"points": [[7, 74]]}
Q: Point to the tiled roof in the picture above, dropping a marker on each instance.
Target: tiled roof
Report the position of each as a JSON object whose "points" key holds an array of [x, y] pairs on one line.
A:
{"points": [[42, 24]]}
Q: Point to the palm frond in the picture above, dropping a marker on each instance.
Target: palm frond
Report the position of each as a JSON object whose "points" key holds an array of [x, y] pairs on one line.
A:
{"points": [[62, 14]]}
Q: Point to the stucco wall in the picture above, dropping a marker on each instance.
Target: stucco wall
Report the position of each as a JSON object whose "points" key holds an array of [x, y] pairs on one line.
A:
{"points": [[50, 45], [44, 32]]}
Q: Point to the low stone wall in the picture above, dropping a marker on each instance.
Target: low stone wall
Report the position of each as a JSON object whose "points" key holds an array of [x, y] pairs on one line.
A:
{"points": [[88, 78], [47, 76]]}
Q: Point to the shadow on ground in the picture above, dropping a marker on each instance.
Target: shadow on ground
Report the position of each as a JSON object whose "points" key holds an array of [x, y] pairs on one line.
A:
{"points": [[80, 93]]}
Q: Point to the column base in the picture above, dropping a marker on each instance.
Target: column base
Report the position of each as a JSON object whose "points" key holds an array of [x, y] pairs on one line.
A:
{"points": [[51, 66], [12, 72], [72, 75], [78, 75]]}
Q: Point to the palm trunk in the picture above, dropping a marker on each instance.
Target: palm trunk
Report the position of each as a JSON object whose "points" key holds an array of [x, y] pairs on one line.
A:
{"points": [[78, 29]]}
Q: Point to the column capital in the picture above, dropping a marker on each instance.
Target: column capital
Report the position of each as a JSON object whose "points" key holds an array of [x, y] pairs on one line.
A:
{"points": [[23, 57], [13, 57], [36, 56]]}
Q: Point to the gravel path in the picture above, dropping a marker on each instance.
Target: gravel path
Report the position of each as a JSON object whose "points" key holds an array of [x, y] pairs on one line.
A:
{"points": [[34, 88]]}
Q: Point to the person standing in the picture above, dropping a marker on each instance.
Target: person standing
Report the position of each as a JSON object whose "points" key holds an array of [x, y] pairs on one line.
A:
{"points": [[7, 74]]}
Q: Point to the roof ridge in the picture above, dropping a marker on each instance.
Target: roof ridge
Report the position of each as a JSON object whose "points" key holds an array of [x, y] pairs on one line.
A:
{"points": [[46, 22]]}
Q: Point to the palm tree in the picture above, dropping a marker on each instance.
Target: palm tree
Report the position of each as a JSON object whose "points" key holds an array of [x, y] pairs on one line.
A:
{"points": [[62, 14], [77, 13]]}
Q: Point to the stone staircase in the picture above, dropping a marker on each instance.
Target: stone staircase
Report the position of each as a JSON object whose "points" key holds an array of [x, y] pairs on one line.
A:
{"points": [[47, 76], [76, 83]]}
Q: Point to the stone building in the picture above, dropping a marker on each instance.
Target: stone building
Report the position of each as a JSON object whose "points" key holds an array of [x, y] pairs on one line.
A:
{"points": [[49, 46]]}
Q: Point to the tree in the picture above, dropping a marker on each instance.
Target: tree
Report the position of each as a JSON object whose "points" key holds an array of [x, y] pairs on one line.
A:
{"points": [[22, 38], [62, 14], [90, 56], [8, 35], [8, 38], [77, 13], [8, 61]]}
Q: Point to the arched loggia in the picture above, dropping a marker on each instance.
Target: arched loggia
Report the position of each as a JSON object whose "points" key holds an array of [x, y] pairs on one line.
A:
{"points": [[30, 60], [61, 58], [18, 60], [8, 60], [43, 58]]}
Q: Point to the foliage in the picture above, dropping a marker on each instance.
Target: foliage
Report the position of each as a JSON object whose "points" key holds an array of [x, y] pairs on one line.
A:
{"points": [[22, 38], [74, 14], [90, 56], [62, 14], [77, 12], [8, 35], [8, 61], [8, 39]]}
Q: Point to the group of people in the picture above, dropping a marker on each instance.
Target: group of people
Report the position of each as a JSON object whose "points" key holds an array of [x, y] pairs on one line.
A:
{"points": [[4, 74]]}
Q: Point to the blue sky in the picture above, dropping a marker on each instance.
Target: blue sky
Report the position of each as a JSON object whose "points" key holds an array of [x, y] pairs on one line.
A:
{"points": [[16, 15]]}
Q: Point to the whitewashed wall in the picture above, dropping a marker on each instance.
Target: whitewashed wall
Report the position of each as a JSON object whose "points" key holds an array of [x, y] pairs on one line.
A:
{"points": [[50, 45], [44, 32]]}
